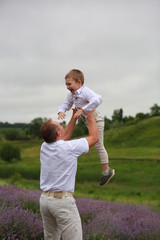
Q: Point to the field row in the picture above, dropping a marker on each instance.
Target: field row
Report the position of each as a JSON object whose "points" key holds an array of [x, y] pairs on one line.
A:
{"points": [[137, 174]]}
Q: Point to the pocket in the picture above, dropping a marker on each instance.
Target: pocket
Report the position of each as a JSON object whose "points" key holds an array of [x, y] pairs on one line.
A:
{"points": [[73, 211]]}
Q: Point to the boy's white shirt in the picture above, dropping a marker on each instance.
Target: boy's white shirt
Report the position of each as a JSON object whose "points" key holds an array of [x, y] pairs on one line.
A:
{"points": [[84, 98]]}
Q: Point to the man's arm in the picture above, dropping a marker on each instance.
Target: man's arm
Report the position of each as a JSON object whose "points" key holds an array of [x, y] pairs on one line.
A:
{"points": [[70, 127], [93, 137], [78, 113]]}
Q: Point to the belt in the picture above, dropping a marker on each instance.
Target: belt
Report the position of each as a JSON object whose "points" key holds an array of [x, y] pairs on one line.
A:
{"points": [[58, 194]]}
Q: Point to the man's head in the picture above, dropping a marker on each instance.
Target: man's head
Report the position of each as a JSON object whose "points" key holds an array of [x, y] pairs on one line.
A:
{"points": [[52, 131], [74, 80]]}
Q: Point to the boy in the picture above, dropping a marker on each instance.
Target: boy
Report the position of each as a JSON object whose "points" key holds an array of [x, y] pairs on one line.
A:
{"points": [[86, 100]]}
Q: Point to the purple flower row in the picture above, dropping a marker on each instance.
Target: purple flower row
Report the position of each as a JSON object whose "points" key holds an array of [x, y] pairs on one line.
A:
{"points": [[17, 223], [118, 221], [20, 218]]}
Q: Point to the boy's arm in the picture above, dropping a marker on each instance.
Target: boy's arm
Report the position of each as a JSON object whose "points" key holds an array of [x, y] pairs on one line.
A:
{"points": [[66, 106], [94, 100], [61, 115]]}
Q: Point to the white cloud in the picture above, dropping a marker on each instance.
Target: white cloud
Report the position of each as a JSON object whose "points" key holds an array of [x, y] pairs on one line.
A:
{"points": [[115, 43]]}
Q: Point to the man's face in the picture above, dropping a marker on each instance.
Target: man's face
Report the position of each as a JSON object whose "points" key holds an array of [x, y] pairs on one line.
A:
{"points": [[60, 128], [72, 85]]}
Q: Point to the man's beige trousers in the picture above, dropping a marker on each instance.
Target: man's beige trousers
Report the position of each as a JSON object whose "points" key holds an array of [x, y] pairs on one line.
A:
{"points": [[61, 219]]}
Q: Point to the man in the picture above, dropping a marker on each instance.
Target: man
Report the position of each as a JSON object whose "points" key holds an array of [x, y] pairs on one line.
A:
{"points": [[58, 158]]}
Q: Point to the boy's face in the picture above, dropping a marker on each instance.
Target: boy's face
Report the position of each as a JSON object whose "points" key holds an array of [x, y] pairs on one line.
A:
{"points": [[72, 85]]}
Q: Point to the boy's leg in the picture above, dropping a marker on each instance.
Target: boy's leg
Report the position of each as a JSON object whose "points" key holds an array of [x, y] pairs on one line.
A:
{"points": [[103, 155], [107, 172]]}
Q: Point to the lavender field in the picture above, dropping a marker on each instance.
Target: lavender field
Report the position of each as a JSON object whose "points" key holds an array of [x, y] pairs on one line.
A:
{"points": [[20, 218]]}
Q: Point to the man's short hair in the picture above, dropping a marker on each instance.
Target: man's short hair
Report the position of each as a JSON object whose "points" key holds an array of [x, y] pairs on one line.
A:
{"points": [[76, 75], [49, 131]]}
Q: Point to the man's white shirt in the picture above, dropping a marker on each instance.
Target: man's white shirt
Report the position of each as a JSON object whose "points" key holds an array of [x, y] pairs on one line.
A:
{"points": [[59, 164]]}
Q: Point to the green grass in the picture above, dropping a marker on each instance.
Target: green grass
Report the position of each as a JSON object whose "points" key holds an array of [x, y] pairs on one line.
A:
{"points": [[138, 153], [134, 153], [136, 180], [143, 134]]}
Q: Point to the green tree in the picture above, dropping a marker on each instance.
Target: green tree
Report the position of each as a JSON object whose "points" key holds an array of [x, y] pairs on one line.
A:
{"points": [[117, 115], [107, 123], [15, 134], [78, 132], [11, 134], [82, 126], [63, 124], [155, 110], [141, 116], [35, 126], [9, 152], [127, 119]]}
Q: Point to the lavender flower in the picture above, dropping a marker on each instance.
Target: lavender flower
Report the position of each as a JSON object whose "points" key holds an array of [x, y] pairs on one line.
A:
{"points": [[17, 223], [13, 196], [20, 218], [118, 221]]}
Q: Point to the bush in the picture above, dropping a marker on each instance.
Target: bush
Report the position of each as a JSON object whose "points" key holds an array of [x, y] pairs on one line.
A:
{"points": [[15, 134], [11, 134], [9, 152], [15, 178]]}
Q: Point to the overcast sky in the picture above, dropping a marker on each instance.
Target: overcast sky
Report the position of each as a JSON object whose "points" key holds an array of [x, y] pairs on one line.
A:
{"points": [[116, 43]]}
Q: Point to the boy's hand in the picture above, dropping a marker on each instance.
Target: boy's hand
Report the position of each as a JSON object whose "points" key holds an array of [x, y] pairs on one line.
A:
{"points": [[61, 115], [78, 113]]}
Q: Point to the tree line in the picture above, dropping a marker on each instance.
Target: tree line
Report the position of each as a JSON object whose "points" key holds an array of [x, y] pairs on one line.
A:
{"points": [[24, 131], [119, 120]]}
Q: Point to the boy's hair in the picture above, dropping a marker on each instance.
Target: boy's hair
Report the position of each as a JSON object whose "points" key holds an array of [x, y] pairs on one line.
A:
{"points": [[49, 131], [76, 75]]}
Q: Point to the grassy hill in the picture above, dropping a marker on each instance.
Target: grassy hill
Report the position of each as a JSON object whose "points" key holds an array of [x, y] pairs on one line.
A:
{"points": [[134, 152], [145, 133]]}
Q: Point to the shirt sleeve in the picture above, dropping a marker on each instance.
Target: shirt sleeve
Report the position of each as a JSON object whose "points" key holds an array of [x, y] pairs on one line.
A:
{"points": [[66, 106], [94, 100], [80, 146]]}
